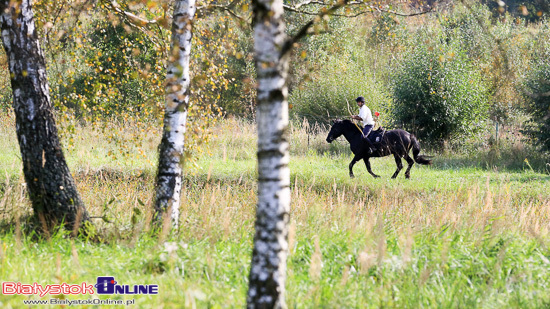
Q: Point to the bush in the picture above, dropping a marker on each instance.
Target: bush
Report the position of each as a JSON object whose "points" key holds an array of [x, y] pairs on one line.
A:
{"points": [[125, 71], [438, 94], [385, 27], [328, 95], [335, 73], [239, 98], [465, 26], [496, 48], [537, 89]]}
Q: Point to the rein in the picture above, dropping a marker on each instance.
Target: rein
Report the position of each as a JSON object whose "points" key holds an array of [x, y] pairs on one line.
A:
{"points": [[358, 128]]}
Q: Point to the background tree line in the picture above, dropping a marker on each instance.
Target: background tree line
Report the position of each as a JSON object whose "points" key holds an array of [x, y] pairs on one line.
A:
{"points": [[481, 63], [447, 76]]}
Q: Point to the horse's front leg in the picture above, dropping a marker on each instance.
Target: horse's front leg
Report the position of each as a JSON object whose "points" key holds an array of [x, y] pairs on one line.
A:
{"points": [[355, 159], [367, 163]]}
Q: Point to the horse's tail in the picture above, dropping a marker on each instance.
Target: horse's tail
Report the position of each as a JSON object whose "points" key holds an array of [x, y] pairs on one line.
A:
{"points": [[416, 150]]}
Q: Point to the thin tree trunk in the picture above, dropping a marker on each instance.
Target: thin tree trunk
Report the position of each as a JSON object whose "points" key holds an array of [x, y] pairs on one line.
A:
{"points": [[268, 268], [169, 176], [51, 187]]}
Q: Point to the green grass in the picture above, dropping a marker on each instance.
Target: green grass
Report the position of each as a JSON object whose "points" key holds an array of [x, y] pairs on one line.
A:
{"points": [[454, 236]]}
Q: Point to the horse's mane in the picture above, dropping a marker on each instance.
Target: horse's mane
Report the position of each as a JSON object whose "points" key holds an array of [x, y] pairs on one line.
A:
{"points": [[348, 123]]}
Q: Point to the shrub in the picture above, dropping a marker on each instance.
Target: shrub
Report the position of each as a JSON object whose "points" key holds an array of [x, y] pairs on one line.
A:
{"points": [[126, 70], [536, 92], [438, 94], [468, 26], [335, 73], [329, 94], [239, 98], [384, 28]]}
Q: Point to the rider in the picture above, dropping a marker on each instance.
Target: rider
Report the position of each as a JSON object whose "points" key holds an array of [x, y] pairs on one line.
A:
{"points": [[366, 117]]}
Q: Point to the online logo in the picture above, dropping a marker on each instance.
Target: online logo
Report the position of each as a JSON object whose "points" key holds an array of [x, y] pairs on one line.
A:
{"points": [[108, 285], [18, 288], [104, 285]]}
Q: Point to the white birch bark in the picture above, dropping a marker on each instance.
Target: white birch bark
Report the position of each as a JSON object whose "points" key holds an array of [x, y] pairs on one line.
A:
{"points": [[268, 267], [169, 176]]}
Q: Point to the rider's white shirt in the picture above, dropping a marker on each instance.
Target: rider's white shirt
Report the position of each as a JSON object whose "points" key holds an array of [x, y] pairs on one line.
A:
{"points": [[366, 115]]}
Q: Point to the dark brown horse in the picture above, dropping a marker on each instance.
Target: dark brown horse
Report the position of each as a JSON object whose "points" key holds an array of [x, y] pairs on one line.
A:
{"points": [[396, 142]]}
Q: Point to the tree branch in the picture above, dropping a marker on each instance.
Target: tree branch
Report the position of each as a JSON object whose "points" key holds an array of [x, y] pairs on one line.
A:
{"points": [[332, 11], [229, 8], [307, 3], [368, 9], [303, 31], [202, 10], [141, 24], [139, 21], [133, 18], [404, 14]]}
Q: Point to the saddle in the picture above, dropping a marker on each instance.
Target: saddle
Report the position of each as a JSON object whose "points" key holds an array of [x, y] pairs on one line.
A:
{"points": [[377, 136]]}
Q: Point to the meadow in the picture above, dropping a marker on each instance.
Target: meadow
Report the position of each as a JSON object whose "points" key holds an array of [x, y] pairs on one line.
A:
{"points": [[459, 234]]}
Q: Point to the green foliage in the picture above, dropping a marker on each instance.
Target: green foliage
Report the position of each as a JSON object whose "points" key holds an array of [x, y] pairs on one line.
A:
{"points": [[497, 48], [333, 91], [465, 26], [125, 72], [385, 27], [105, 68], [537, 95], [239, 97], [438, 93], [331, 74], [100, 65]]}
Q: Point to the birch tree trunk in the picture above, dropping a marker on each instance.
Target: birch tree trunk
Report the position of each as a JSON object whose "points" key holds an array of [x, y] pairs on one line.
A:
{"points": [[169, 176], [268, 267], [51, 187]]}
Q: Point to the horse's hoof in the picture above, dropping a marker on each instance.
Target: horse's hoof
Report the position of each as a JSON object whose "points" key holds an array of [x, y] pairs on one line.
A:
{"points": [[352, 176]]}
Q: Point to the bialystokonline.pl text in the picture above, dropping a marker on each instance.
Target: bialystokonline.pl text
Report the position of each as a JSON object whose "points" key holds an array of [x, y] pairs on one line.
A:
{"points": [[76, 302]]}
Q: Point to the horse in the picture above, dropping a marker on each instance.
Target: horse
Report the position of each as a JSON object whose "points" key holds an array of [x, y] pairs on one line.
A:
{"points": [[397, 142]]}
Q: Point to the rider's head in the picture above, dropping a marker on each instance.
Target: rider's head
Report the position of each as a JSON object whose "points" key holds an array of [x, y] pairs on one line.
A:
{"points": [[360, 101]]}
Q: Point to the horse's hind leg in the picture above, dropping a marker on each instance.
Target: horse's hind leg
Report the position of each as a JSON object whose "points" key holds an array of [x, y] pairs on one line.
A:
{"points": [[367, 163], [410, 161], [399, 165], [355, 159]]}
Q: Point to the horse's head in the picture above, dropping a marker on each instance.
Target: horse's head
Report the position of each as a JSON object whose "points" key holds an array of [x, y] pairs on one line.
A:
{"points": [[336, 130]]}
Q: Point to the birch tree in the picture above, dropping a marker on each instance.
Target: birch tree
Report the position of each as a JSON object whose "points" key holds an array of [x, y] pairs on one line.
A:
{"points": [[50, 185], [169, 175], [272, 50], [268, 267], [168, 184]]}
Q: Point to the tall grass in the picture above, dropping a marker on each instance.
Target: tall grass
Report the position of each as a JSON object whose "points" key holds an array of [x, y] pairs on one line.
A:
{"points": [[453, 236]]}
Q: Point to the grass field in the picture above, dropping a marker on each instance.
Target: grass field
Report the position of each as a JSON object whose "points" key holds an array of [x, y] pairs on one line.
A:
{"points": [[460, 234]]}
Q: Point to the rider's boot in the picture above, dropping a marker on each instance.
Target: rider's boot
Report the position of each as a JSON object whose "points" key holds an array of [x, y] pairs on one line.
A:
{"points": [[370, 147]]}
